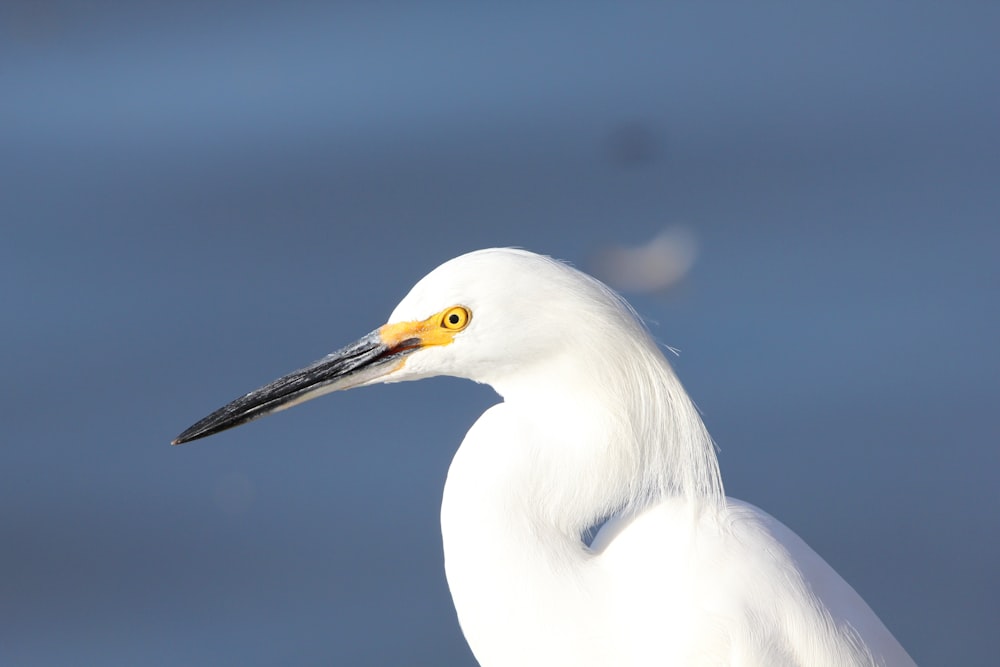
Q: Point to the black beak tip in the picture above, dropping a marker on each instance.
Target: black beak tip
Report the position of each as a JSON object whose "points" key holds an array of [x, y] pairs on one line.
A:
{"points": [[218, 421], [186, 436]]}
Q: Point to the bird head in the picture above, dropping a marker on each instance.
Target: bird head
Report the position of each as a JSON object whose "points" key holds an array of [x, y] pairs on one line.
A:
{"points": [[486, 316]]}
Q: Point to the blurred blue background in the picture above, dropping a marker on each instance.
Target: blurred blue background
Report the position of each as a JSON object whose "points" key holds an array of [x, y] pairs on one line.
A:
{"points": [[196, 198]]}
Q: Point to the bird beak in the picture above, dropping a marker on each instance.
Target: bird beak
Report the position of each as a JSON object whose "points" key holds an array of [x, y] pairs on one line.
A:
{"points": [[367, 360]]}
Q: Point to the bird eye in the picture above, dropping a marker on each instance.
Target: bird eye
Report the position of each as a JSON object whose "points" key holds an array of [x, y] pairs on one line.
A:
{"points": [[456, 318]]}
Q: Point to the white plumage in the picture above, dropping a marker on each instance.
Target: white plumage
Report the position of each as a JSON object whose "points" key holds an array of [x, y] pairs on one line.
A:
{"points": [[593, 424]]}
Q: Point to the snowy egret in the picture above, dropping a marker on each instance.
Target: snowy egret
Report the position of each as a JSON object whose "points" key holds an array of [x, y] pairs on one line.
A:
{"points": [[593, 424]]}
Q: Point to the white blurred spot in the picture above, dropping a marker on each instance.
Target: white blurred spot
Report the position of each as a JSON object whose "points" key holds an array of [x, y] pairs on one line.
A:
{"points": [[234, 493], [653, 267]]}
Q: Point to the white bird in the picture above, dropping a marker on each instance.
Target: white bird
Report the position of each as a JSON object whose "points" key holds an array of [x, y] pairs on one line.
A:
{"points": [[593, 424]]}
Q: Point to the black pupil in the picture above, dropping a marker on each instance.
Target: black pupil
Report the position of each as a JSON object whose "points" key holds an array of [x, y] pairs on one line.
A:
{"points": [[453, 318]]}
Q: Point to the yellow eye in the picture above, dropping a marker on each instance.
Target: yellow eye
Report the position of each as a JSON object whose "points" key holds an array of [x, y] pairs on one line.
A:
{"points": [[456, 318]]}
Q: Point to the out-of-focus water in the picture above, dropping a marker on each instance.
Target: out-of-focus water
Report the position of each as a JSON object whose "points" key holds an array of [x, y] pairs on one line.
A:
{"points": [[194, 201]]}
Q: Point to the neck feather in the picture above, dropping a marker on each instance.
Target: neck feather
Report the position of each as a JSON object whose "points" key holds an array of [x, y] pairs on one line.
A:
{"points": [[611, 430]]}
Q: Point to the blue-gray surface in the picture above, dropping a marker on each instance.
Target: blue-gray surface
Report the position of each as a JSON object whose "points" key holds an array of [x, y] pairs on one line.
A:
{"points": [[194, 201]]}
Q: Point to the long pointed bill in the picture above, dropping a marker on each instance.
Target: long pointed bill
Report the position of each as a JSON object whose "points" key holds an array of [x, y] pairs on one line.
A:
{"points": [[366, 360]]}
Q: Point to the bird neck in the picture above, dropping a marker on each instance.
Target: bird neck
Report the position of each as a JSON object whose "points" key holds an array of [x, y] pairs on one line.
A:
{"points": [[536, 472], [516, 571], [606, 431]]}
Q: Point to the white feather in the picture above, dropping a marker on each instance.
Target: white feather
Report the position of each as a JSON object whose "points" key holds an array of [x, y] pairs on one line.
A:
{"points": [[594, 423]]}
